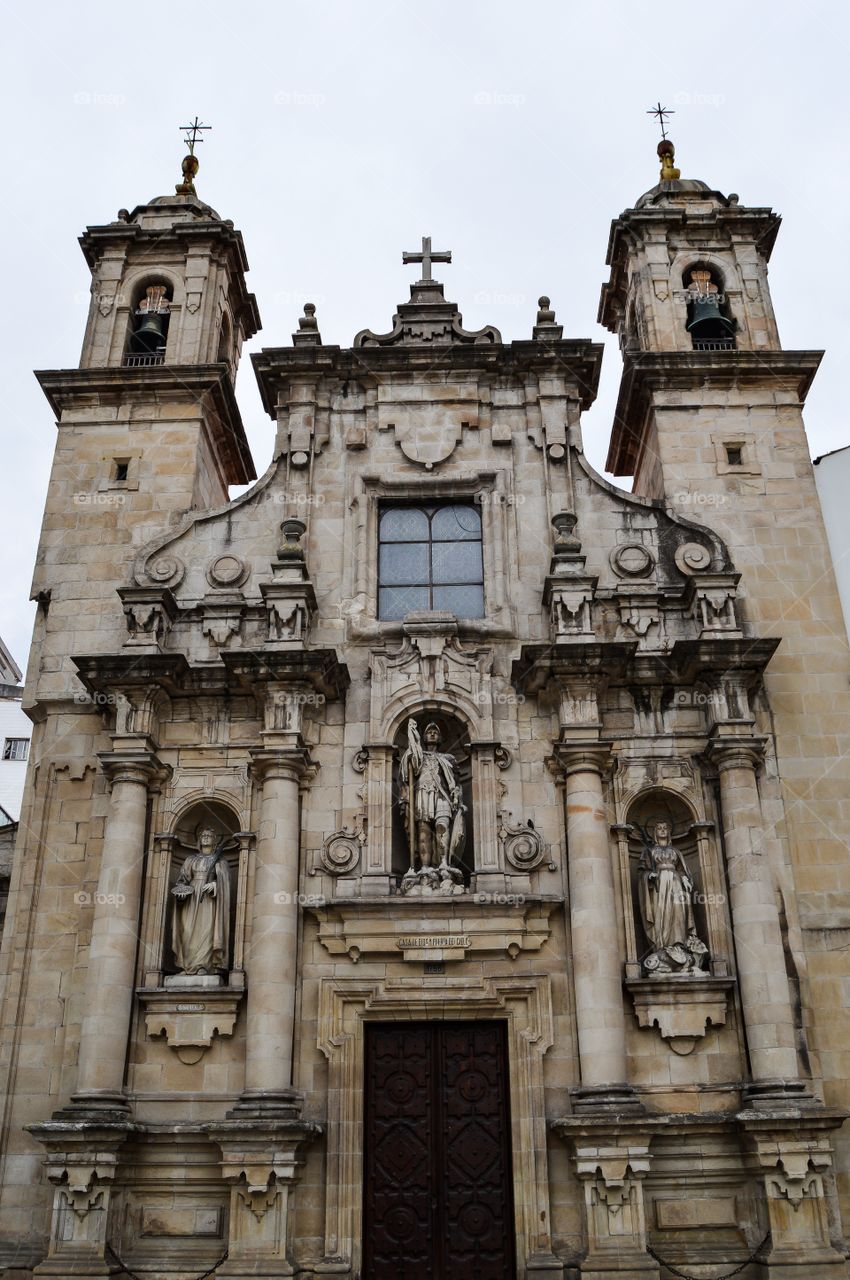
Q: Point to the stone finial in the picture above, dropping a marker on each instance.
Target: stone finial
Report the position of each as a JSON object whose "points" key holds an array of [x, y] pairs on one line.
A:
{"points": [[191, 164], [293, 531], [566, 543], [308, 328], [546, 326], [667, 156]]}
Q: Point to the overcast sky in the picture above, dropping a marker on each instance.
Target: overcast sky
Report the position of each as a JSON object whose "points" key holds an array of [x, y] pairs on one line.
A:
{"points": [[512, 133]]}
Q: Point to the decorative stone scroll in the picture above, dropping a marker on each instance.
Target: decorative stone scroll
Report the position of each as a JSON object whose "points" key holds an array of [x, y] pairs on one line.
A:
{"points": [[340, 852], [522, 844]]}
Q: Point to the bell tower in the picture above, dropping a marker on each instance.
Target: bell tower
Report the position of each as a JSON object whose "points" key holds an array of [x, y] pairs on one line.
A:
{"points": [[709, 423], [148, 425]]}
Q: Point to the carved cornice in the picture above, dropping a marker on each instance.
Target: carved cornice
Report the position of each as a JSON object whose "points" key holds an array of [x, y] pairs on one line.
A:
{"points": [[690, 660], [319, 668], [207, 386], [563, 662], [648, 372]]}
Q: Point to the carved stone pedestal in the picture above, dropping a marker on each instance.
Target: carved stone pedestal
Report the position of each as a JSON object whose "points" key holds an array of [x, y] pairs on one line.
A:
{"points": [[82, 1159], [791, 1153], [260, 1162]]}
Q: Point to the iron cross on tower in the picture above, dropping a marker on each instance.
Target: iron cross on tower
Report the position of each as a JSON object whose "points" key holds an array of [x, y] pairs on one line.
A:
{"points": [[192, 132], [426, 257], [661, 114]]}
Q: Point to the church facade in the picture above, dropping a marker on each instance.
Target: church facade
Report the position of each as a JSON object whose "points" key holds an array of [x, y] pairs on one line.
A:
{"points": [[433, 862]]}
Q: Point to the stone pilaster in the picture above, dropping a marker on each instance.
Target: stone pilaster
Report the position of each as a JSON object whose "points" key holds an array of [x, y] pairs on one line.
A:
{"points": [[110, 982], [272, 954], [762, 979], [596, 959]]}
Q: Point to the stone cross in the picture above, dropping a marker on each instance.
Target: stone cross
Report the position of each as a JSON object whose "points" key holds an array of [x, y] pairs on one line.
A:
{"points": [[426, 257]]}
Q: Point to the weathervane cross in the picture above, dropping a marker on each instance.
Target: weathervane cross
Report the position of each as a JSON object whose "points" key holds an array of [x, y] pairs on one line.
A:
{"points": [[426, 257], [192, 131], [661, 113]]}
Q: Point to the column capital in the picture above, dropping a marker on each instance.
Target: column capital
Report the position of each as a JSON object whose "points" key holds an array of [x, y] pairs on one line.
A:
{"points": [[739, 752], [580, 757], [281, 762], [140, 766]]}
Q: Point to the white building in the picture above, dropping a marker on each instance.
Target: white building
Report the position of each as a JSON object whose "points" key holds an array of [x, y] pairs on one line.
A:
{"points": [[832, 477], [15, 735]]}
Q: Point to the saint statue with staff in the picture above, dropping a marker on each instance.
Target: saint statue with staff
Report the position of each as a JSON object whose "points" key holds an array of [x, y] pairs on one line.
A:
{"points": [[200, 927], [433, 808]]}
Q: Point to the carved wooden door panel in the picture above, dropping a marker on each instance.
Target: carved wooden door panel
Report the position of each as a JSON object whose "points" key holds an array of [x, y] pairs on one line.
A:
{"points": [[438, 1201]]}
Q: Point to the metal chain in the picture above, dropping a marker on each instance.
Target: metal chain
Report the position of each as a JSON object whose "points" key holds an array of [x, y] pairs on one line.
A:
{"points": [[727, 1275], [127, 1272]]}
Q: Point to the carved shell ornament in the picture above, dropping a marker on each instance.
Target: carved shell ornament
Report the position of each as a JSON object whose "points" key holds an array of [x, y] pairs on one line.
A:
{"points": [[227, 571], [632, 560], [340, 852], [521, 843], [692, 557], [168, 571]]}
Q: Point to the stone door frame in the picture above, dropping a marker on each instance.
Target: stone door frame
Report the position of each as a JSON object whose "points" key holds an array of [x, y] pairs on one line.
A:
{"points": [[345, 1004]]}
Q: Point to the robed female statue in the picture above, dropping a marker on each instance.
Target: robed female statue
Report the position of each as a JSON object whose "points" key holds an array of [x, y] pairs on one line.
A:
{"points": [[200, 931], [665, 894]]}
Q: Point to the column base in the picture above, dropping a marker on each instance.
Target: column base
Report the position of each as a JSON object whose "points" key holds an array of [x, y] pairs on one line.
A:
{"points": [[544, 1266], [64, 1269], [268, 1104], [606, 1099], [778, 1095]]}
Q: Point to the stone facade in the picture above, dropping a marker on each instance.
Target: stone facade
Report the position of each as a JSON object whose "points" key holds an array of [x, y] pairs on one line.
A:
{"points": [[671, 660]]}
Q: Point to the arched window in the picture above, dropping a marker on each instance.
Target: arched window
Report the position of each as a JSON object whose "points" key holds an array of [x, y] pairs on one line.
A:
{"points": [[429, 558], [150, 327], [709, 323]]}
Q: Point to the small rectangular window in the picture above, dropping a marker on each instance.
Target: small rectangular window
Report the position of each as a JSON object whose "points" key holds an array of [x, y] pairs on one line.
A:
{"points": [[16, 748], [429, 558], [735, 455], [122, 467]]}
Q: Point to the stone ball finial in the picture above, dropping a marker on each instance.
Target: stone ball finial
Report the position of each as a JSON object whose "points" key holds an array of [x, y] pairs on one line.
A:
{"points": [[545, 315], [308, 327]]}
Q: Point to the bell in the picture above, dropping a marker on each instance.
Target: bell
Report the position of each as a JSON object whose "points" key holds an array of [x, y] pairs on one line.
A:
{"points": [[150, 335], [706, 324]]}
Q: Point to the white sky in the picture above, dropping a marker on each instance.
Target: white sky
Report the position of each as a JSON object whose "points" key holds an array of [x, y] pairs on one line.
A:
{"points": [[511, 133]]}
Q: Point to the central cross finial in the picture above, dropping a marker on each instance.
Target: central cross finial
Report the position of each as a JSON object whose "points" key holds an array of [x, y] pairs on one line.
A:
{"points": [[193, 132], [661, 114], [426, 257]]}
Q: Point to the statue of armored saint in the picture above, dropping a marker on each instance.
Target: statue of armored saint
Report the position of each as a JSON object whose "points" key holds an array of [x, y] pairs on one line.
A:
{"points": [[665, 894], [433, 809], [200, 931]]}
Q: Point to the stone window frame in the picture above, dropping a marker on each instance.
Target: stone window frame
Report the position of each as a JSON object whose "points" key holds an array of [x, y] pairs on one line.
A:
{"points": [[346, 1004], [743, 440], [489, 487]]}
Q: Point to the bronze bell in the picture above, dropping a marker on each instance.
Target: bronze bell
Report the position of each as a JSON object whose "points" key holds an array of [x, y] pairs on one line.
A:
{"points": [[706, 324], [150, 335]]}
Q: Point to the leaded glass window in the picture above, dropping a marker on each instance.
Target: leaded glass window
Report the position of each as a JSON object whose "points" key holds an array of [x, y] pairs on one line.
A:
{"points": [[429, 558]]}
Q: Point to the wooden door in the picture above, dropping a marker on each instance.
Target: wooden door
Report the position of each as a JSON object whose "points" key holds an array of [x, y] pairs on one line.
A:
{"points": [[438, 1201]]}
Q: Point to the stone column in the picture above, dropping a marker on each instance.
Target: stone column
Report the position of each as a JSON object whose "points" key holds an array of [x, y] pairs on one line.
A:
{"points": [[110, 983], [597, 967], [762, 978], [272, 954]]}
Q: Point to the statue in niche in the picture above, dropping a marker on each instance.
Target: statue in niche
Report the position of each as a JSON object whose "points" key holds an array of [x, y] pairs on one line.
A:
{"points": [[200, 929], [433, 810], [665, 894]]}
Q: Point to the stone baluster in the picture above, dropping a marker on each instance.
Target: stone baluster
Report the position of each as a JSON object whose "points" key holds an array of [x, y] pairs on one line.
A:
{"points": [[596, 960], [115, 931], [762, 977]]}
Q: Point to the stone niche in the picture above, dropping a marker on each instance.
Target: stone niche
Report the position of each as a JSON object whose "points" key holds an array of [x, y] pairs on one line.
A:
{"points": [[190, 1009], [682, 989]]}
